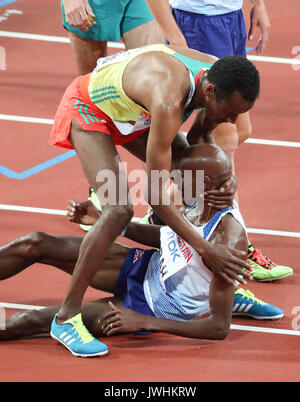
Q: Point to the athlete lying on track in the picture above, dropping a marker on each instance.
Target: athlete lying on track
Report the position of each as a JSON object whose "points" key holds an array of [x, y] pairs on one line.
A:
{"points": [[153, 290]]}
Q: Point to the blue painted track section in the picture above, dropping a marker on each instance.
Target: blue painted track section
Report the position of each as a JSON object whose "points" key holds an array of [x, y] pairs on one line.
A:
{"points": [[6, 2], [36, 169]]}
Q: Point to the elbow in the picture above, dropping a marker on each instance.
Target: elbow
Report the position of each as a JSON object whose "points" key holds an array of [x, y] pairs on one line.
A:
{"points": [[221, 331], [221, 334], [119, 214]]}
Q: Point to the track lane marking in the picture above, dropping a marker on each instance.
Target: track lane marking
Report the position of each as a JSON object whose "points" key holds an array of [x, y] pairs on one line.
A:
{"points": [[40, 120], [47, 211], [116, 45], [249, 328]]}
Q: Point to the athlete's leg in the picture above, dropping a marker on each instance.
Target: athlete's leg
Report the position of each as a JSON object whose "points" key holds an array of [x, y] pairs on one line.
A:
{"points": [[61, 252], [146, 34], [37, 322], [138, 27], [28, 323], [230, 136], [244, 127], [86, 52], [38, 247], [87, 48], [226, 137], [98, 155]]}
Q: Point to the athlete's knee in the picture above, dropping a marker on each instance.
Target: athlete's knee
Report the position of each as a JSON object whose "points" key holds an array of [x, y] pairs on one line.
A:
{"points": [[96, 326], [244, 133], [244, 127], [145, 34], [119, 215], [23, 324], [31, 245], [228, 143], [124, 212]]}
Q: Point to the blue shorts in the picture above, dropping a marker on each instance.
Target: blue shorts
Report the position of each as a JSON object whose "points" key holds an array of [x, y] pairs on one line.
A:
{"points": [[130, 282], [218, 35], [113, 18]]}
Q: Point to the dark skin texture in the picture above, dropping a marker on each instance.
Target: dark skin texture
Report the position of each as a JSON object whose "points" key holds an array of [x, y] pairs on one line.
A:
{"points": [[160, 83], [62, 252]]}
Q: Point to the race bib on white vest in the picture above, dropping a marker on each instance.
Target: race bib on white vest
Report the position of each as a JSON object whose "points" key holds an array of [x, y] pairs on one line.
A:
{"points": [[143, 122], [175, 254]]}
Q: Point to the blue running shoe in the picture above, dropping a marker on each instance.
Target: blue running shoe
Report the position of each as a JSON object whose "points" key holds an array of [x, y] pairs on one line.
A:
{"points": [[246, 304], [75, 337]]}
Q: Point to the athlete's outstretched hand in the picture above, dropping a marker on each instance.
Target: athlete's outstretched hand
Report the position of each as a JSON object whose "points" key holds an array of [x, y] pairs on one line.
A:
{"points": [[84, 213], [79, 14], [227, 264]]}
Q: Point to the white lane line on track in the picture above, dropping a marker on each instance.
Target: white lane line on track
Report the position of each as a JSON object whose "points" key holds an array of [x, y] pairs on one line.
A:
{"points": [[248, 328], [20, 306], [260, 141], [47, 211], [270, 232], [40, 120], [19, 208], [268, 59], [264, 329], [63, 39], [49, 38], [26, 119]]}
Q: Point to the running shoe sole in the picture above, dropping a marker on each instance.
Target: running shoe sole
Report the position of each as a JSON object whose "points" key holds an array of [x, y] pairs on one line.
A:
{"points": [[275, 317], [273, 279], [78, 354]]}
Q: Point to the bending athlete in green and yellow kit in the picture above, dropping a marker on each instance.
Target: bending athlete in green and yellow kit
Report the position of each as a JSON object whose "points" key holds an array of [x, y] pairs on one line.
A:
{"points": [[139, 99]]}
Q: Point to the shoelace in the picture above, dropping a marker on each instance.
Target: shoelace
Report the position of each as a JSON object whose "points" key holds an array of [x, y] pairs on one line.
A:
{"points": [[249, 295], [260, 259], [82, 332]]}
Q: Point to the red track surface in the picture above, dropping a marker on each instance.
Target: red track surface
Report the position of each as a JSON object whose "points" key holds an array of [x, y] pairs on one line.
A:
{"points": [[37, 74]]}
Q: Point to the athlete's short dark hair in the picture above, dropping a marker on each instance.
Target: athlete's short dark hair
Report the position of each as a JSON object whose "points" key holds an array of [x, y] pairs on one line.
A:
{"points": [[234, 73]]}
